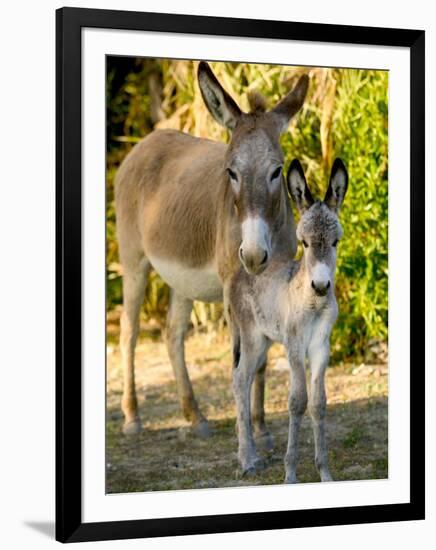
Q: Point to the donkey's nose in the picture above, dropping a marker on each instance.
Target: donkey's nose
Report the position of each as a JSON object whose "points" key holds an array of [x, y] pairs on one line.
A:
{"points": [[254, 261], [321, 287]]}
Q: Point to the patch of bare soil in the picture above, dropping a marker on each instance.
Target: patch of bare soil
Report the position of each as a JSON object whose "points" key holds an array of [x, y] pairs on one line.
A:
{"points": [[167, 456]]}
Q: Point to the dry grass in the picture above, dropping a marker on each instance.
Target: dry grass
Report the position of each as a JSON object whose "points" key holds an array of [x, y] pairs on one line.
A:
{"points": [[167, 456]]}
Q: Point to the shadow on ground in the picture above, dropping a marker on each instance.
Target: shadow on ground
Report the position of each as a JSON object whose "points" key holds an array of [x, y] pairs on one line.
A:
{"points": [[46, 528]]}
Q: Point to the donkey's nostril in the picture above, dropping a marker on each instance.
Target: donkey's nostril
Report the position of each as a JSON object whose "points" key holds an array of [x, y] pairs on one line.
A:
{"points": [[254, 261], [265, 258], [320, 288]]}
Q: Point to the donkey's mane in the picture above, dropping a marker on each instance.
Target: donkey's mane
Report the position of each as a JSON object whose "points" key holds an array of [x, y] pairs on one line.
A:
{"points": [[256, 102]]}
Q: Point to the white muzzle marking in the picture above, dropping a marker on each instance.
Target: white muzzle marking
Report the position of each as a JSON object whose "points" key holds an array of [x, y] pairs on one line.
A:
{"points": [[255, 235], [321, 274]]}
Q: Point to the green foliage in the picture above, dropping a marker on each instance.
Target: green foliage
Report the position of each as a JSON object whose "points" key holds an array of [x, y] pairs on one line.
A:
{"points": [[345, 114]]}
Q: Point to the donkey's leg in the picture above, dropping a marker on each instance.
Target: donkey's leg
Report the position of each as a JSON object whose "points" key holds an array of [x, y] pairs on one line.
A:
{"points": [[252, 352], [318, 360], [134, 281], [297, 406], [262, 435], [177, 324]]}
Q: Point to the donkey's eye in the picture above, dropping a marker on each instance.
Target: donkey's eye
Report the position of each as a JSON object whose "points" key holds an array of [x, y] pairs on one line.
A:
{"points": [[335, 243], [276, 173], [305, 244], [232, 174]]}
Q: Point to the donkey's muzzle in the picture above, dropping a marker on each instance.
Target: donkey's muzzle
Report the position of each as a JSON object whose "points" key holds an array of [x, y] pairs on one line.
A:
{"points": [[254, 261], [321, 287]]}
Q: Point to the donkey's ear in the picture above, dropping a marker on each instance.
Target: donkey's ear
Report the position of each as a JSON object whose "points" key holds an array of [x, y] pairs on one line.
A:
{"points": [[221, 106], [337, 186], [297, 187], [292, 103]]}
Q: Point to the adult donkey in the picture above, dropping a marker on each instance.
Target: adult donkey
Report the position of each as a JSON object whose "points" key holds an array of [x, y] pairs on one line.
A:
{"points": [[193, 209]]}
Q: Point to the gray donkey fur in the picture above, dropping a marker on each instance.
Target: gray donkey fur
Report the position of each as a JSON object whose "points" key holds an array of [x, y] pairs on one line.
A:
{"points": [[293, 303]]}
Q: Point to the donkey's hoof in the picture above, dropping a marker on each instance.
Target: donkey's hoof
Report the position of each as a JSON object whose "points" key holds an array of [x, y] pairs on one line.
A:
{"points": [[291, 479], [264, 441], [326, 476], [257, 466], [133, 427], [202, 429]]}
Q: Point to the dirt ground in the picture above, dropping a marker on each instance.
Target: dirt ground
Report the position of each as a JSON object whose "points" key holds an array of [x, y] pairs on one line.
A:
{"points": [[167, 456]]}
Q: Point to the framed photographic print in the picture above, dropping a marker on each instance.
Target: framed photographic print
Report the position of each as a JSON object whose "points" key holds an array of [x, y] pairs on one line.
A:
{"points": [[240, 275]]}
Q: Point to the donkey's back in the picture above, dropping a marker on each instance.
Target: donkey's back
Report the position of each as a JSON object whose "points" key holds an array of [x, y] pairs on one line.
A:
{"points": [[166, 194]]}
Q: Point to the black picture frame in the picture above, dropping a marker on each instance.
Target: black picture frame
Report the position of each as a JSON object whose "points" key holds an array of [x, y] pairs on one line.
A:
{"points": [[69, 22]]}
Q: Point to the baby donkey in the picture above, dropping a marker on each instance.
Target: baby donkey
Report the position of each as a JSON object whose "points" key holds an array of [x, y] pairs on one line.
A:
{"points": [[291, 302]]}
